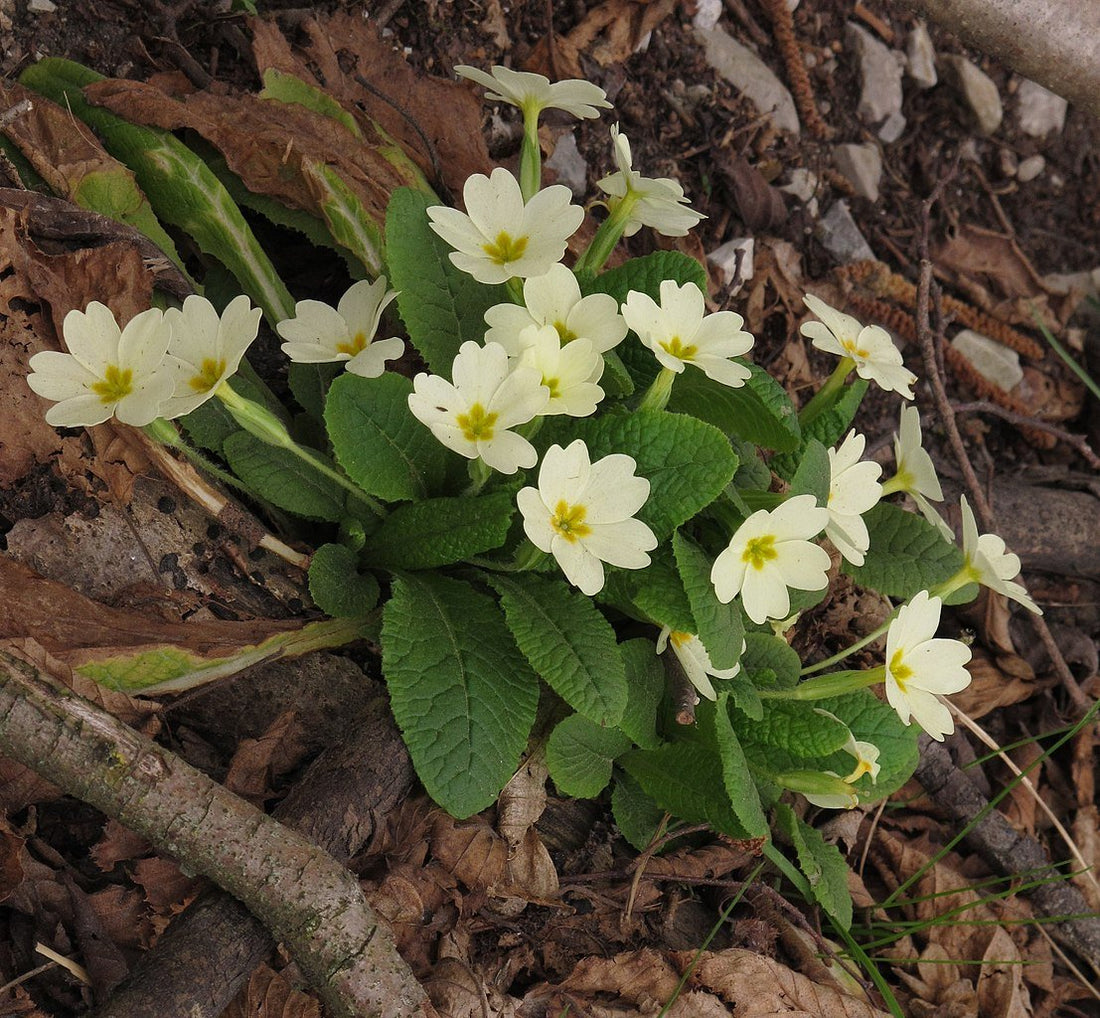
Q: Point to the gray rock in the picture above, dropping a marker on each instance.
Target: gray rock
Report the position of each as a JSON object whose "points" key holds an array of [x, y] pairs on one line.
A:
{"points": [[803, 184], [977, 90], [1038, 110], [733, 262], [921, 57], [41, 7], [840, 236], [751, 76], [880, 70], [990, 359], [892, 128], [1030, 168], [862, 166], [568, 163], [707, 13]]}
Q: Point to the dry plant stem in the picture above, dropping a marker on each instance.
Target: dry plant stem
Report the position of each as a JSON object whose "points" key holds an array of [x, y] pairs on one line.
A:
{"points": [[207, 954], [797, 75], [1078, 442], [309, 901], [1010, 852], [1052, 42]]}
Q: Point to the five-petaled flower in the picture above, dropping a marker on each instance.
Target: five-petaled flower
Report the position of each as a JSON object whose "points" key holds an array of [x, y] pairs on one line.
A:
{"points": [[570, 372], [870, 347], [679, 332], [770, 552], [853, 490], [533, 93], [988, 561], [583, 514], [206, 348], [657, 202], [555, 299], [501, 236], [319, 333], [914, 472], [107, 372], [473, 414], [919, 669], [694, 659]]}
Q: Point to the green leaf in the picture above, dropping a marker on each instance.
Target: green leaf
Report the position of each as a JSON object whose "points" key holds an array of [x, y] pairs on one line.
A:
{"points": [[823, 865], [636, 814], [744, 696], [568, 642], [907, 553], [646, 274], [376, 439], [350, 223], [579, 755], [828, 427], [656, 593], [718, 625], [284, 480], [760, 411], [645, 686], [282, 87], [795, 726], [814, 473], [310, 384], [687, 461], [441, 306], [740, 786], [440, 531], [461, 692], [752, 471], [770, 662], [337, 586], [686, 779]]}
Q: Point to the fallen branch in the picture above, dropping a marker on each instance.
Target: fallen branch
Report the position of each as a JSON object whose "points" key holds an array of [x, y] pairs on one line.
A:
{"points": [[308, 901]]}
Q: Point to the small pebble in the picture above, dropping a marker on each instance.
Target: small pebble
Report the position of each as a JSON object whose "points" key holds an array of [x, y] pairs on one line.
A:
{"points": [[41, 7], [1030, 168]]}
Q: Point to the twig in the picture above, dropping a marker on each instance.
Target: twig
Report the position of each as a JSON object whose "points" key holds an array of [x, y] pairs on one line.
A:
{"points": [[309, 901], [22, 107], [1078, 442]]}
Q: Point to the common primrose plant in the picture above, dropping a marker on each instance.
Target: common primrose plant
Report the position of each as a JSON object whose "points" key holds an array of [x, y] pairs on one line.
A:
{"points": [[588, 516]]}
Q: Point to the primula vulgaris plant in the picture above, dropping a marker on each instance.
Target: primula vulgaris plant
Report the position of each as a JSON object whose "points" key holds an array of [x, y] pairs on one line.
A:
{"points": [[588, 511]]}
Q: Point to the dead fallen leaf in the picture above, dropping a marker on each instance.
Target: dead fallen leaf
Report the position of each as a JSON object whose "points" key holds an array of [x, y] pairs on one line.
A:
{"points": [[258, 763], [269, 995]]}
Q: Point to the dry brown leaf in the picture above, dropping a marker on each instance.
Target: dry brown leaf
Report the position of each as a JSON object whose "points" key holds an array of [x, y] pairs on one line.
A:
{"points": [[122, 912], [258, 763], [269, 995], [167, 888], [530, 868], [457, 991], [992, 686], [760, 205], [472, 851], [117, 844], [645, 978], [1001, 991], [1086, 835]]}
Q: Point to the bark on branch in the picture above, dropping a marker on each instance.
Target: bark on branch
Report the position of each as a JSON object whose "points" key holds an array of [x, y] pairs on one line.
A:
{"points": [[305, 898]]}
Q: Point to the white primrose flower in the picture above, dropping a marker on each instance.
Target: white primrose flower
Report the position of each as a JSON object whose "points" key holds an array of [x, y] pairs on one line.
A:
{"points": [[853, 490], [473, 414], [770, 552], [555, 299], [871, 347], [206, 348], [915, 473], [865, 753], [582, 513], [534, 93], [320, 334], [920, 669], [679, 332], [659, 202], [107, 372], [500, 236], [989, 562], [695, 660], [570, 372]]}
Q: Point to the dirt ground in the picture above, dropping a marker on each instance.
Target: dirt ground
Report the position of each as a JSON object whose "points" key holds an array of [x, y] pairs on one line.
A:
{"points": [[609, 940]]}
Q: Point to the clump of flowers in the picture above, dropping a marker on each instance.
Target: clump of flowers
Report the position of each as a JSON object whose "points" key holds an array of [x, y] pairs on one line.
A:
{"points": [[587, 481]]}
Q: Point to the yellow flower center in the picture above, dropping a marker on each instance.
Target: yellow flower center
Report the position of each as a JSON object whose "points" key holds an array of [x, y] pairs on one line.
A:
{"points": [[568, 521], [209, 375], [114, 385], [554, 385], [677, 348], [678, 638], [862, 767], [357, 345], [505, 248], [565, 334], [760, 550], [854, 350], [477, 425], [900, 671]]}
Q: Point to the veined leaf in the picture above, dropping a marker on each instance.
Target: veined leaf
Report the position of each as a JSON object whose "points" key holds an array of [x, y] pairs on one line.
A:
{"points": [[719, 626], [579, 755], [823, 865], [336, 585]]}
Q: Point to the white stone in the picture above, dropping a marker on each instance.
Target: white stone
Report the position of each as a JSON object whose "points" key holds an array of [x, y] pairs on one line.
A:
{"points": [[1038, 110], [751, 76], [993, 361], [569, 165], [840, 236], [892, 128], [880, 70], [803, 184], [978, 92], [733, 262], [707, 13], [1030, 168], [862, 166], [921, 57], [41, 7]]}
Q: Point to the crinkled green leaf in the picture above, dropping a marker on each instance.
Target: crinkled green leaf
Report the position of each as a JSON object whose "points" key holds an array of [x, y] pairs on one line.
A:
{"points": [[636, 814], [645, 685], [336, 585], [568, 642], [828, 427], [377, 440], [579, 755], [740, 786], [310, 384], [440, 531], [646, 274], [461, 692], [350, 223], [795, 726], [907, 553], [441, 306], [760, 411], [814, 473], [718, 625], [770, 662], [823, 865], [655, 593]]}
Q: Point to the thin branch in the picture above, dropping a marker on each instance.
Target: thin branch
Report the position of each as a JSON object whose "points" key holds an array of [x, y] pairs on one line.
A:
{"points": [[1078, 442]]}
